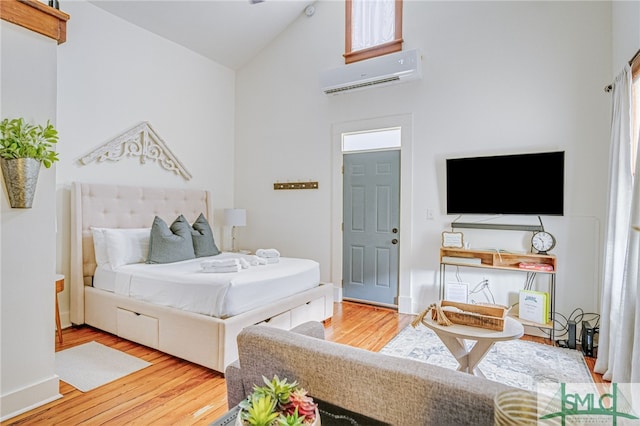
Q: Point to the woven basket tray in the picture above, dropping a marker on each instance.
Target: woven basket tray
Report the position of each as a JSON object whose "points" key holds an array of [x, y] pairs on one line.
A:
{"points": [[491, 317]]}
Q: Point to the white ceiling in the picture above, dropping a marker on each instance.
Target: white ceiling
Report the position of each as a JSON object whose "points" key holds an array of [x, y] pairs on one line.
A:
{"points": [[229, 32]]}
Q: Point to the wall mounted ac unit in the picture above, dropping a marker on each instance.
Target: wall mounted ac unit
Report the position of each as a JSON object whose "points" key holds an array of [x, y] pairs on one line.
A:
{"points": [[375, 72]]}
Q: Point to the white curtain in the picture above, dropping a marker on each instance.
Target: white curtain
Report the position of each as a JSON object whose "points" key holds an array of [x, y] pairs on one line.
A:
{"points": [[372, 23], [619, 343]]}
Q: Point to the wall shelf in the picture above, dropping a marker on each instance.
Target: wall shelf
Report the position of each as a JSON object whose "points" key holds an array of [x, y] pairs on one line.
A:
{"points": [[498, 259], [504, 227]]}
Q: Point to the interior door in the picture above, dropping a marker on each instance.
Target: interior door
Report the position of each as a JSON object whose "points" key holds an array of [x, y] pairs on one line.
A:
{"points": [[371, 211]]}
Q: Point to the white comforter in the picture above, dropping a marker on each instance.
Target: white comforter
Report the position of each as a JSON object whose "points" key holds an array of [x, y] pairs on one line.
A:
{"points": [[185, 286]]}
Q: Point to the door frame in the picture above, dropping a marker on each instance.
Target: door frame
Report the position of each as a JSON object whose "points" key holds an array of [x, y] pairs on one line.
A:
{"points": [[405, 121]]}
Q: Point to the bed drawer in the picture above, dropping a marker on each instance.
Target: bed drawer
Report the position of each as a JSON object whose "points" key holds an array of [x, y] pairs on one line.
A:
{"points": [[310, 311], [137, 327], [282, 321]]}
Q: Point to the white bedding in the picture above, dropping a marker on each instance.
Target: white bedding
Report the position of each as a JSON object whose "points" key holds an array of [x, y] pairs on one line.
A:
{"points": [[185, 286]]}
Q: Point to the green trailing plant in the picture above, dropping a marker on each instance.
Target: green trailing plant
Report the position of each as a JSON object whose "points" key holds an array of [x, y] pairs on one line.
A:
{"points": [[278, 403], [19, 139]]}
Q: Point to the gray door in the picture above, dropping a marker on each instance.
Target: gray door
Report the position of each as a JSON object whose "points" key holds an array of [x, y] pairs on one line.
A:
{"points": [[370, 240]]}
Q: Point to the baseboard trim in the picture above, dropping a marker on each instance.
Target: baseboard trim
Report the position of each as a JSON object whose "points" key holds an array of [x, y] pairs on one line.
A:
{"points": [[29, 397], [405, 305]]}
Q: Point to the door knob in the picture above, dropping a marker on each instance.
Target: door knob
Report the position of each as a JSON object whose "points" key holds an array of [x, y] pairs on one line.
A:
{"points": [[394, 241], [394, 230]]}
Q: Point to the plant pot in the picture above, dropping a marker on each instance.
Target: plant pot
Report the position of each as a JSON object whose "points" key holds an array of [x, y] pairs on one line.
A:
{"points": [[20, 178], [239, 422]]}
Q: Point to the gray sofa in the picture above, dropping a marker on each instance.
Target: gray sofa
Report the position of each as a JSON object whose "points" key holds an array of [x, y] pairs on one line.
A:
{"points": [[389, 389]]}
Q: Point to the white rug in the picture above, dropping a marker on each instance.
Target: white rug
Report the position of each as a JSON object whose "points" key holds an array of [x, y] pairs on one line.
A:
{"points": [[87, 366], [517, 363]]}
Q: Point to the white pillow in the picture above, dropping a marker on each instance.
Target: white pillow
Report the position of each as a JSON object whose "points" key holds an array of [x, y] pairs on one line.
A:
{"points": [[100, 246], [126, 245]]}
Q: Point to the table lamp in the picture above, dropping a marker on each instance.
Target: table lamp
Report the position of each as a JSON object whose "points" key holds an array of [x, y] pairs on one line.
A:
{"points": [[233, 218]]}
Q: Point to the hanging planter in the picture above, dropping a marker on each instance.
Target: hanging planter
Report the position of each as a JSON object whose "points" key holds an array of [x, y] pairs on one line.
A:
{"points": [[20, 177], [23, 148]]}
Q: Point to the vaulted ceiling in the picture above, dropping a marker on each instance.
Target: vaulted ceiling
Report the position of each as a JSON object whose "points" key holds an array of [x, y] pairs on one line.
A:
{"points": [[229, 32]]}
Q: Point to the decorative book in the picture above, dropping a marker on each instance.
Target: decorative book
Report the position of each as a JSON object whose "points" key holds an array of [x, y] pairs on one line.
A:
{"points": [[534, 306]]}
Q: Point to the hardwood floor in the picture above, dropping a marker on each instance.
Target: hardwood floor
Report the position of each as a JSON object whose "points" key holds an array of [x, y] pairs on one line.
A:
{"points": [[176, 392]]}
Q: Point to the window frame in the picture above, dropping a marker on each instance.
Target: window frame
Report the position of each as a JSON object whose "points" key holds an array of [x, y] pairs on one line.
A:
{"points": [[373, 51]]}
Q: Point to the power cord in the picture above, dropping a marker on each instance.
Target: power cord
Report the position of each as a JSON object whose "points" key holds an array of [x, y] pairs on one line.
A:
{"points": [[578, 315], [480, 287]]}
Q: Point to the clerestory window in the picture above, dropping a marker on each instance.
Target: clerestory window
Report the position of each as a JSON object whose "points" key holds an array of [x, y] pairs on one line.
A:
{"points": [[373, 28]]}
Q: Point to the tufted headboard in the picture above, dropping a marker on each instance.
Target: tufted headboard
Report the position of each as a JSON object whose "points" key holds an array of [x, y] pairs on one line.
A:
{"points": [[118, 206]]}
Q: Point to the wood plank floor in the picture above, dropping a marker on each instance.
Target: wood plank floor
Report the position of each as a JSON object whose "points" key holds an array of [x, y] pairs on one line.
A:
{"points": [[176, 392]]}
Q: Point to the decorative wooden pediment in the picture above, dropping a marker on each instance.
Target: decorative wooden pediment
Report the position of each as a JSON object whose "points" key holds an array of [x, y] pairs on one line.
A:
{"points": [[139, 141]]}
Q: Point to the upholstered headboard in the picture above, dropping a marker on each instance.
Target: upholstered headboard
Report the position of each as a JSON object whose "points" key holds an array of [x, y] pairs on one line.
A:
{"points": [[117, 206]]}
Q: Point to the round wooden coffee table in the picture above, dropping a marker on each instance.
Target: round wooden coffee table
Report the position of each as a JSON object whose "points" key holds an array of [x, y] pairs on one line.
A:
{"points": [[454, 336]]}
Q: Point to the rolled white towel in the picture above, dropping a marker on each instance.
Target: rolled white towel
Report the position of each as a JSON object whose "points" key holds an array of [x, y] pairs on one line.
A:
{"points": [[244, 263], [221, 269], [272, 259], [220, 263], [268, 253]]}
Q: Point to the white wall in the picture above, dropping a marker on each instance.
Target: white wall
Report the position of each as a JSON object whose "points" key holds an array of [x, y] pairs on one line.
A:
{"points": [[499, 77], [113, 75], [625, 32], [28, 89]]}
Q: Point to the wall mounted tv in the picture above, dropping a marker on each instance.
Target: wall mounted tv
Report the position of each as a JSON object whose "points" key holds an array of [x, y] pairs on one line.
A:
{"points": [[521, 184]]}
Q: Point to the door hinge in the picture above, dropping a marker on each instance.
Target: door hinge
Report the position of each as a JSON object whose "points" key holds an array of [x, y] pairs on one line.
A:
{"points": [[342, 226], [342, 169]]}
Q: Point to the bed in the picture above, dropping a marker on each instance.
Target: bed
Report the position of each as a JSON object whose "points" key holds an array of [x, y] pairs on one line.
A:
{"points": [[206, 334]]}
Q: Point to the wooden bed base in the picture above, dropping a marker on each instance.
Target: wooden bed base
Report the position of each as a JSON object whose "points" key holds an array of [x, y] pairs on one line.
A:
{"points": [[201, 339]]}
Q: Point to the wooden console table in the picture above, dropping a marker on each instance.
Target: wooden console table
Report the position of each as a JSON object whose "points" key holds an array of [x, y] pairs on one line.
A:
{"points": [[506, 261]]}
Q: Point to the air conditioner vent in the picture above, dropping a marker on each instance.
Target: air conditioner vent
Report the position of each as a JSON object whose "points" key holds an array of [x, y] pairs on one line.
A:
{"points": [[383, 70], [362, 85]]}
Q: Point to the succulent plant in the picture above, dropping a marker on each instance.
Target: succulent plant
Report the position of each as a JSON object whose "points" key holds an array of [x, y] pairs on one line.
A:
{"points": [[280, 389], [278, 403], [260, 410], [294, 419], [301, 403]]}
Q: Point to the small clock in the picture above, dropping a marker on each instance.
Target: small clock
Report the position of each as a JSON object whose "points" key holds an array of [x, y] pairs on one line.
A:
{"points": [[543, 242]]}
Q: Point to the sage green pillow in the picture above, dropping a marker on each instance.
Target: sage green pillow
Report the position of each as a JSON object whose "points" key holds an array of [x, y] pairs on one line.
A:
{"points": [[170, 244], [203, 241]]}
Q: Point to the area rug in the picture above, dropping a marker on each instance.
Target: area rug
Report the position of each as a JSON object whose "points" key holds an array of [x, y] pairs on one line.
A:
{"points": [[87, 366], [517, 363]]}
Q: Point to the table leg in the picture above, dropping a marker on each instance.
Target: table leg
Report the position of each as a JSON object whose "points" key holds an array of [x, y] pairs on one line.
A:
{"points": [[58, 326], [458, 349], [468, 359], [59, 288], [477, 354]]}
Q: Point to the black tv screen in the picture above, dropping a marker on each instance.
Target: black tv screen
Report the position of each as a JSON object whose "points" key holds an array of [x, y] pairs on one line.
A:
{"points": [[521, 184]]}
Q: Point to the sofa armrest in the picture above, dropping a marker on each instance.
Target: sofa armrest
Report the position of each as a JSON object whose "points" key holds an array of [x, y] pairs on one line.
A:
{"points": [[235, 387], [236, 391]]}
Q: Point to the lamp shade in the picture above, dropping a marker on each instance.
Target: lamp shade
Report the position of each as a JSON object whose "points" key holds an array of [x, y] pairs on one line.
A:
{"points": [[235, 217]]}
